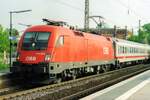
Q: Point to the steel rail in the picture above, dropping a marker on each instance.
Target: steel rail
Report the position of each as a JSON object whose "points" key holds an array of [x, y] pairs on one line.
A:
{"points": [[78, 88]]}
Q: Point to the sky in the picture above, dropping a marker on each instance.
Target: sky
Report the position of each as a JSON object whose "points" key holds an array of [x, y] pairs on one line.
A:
{"points": [[115, 12]]}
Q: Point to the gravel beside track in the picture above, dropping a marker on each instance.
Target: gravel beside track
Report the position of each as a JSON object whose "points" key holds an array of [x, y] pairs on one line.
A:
{"points": [[78, 88]]}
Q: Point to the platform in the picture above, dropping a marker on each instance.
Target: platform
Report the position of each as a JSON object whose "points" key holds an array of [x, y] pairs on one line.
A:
{"points": [[135, 88], [4, 72]]}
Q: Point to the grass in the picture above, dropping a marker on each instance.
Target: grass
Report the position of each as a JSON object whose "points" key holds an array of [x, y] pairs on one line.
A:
{"points": [[3, 66]]}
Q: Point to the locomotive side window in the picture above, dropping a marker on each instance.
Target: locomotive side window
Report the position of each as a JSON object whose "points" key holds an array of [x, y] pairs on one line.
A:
{"points": [[60, 41]]}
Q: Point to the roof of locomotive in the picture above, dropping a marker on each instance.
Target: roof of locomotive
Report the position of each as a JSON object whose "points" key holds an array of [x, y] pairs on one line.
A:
{"points": [[43, 28], [66, 31]]}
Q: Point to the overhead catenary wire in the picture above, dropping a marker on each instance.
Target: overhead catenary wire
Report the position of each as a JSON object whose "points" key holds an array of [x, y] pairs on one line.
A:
{"points": [[69, 5], [78, 9], [120, 2], [131, 11]]}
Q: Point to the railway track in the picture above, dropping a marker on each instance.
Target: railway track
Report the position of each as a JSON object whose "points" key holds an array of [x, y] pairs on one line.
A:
{"points": [[8, 90], [8, 83], [8, 80], [78, 88], [18, 88], [11, 84]]}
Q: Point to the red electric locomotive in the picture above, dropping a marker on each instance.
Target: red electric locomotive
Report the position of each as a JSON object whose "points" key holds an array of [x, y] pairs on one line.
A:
{"points": [[58, 52], [54, 52]]}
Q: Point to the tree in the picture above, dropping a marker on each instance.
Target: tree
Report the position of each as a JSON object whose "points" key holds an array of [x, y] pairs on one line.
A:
{"points": [[5, 44], [143, 36], [134, 38], [4, 38]]}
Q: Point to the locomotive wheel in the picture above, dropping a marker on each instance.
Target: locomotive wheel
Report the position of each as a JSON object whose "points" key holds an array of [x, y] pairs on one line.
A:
{"points": [[74, 77], [106, 68], [96, 69], [119, 66], [58, 80], [74, 74]]}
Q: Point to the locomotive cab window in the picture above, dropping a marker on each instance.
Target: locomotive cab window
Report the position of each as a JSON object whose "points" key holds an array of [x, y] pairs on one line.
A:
{"points": [[43, 37], [35, 40]]}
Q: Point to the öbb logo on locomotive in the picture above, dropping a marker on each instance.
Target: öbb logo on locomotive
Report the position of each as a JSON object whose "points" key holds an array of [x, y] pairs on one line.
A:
{"points": [[30, 58]]}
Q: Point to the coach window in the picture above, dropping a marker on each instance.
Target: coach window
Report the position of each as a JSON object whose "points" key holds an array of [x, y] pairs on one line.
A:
{"points": [[121, 49], [135, 50], [60, 41], [130, 50], [124, 49]]}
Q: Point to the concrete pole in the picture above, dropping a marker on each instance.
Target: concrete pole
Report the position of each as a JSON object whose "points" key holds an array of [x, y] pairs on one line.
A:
{"points": [[86, 15]]}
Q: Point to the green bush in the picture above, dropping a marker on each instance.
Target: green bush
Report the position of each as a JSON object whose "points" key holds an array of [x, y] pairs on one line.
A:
{"points": [[3, 66]]}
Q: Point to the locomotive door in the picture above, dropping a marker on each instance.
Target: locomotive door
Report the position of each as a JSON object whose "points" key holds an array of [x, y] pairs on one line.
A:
{"points": [[67, 47], [61, 52]]}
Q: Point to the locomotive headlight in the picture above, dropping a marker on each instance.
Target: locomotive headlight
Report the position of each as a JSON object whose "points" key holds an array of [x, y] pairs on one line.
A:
{"points": [[47, 57]]}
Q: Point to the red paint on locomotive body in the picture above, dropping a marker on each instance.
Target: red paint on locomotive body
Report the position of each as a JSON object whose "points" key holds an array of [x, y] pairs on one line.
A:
{"points": [[75, 47], [58, 52]]}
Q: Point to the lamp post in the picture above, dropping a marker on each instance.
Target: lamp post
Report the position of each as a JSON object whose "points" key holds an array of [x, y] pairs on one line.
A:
{"points": [[26, 25], [10, 30]]}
